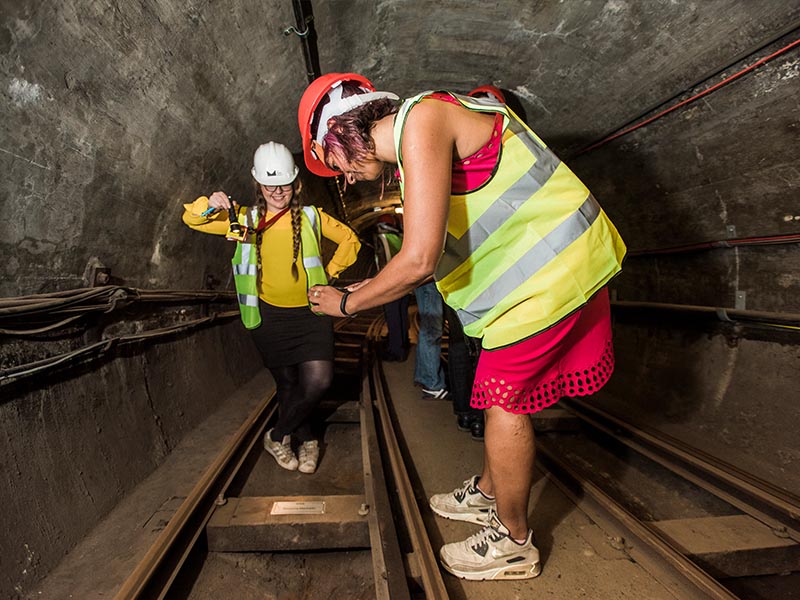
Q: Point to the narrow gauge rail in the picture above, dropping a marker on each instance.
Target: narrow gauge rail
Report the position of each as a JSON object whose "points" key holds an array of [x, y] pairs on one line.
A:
{"points": [[386, 514], [696, 523]]}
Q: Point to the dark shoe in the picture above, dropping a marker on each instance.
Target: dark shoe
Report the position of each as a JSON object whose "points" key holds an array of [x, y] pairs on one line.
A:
{"points": [[464, 422], [389, 357], [476, 430]]}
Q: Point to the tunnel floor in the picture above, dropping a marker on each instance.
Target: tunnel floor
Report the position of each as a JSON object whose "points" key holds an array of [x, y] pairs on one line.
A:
{"points": [[578, 560]]}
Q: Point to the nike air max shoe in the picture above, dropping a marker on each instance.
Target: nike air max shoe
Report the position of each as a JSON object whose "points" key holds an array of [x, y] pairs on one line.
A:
{"points": [[466, 503], [492, 554]]}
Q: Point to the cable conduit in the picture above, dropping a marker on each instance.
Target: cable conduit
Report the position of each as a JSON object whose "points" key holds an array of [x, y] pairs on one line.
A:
{"points": [[697, 96], [46, 312], [787, 320], [103, 346], [773, 240]]}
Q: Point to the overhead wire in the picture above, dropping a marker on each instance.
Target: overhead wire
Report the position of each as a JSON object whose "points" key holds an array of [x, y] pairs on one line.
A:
{"points": [[14, 373], [723, 314], [39, 330], [787, 321], [43, 313], [791, 238], [691, 99], [46, 312]]}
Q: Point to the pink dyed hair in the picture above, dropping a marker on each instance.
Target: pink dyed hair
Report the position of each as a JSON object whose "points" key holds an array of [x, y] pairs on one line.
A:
{"points": [[349, 135]]}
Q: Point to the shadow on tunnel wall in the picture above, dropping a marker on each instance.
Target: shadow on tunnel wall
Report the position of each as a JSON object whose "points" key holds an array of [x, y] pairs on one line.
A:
{"points": [[76, 440], [515, 105]]}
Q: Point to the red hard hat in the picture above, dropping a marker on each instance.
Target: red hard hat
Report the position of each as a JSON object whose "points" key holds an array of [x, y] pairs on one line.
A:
{"points": [[491, 91], [314, 94]]}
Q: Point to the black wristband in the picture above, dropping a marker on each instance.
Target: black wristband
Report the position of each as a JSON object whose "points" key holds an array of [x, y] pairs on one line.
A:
{"points": [[343, 303]]}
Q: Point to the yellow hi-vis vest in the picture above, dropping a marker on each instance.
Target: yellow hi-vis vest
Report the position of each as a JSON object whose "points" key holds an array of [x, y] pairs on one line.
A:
{"points": [[527, 248], [245, 262]]}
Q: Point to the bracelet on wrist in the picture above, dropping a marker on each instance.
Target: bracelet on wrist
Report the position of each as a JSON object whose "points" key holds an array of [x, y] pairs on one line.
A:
{"points": [[343, 304]]}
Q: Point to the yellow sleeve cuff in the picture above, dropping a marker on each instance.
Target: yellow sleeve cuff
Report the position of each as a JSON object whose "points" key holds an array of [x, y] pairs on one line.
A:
{"points": [[198, 207]]}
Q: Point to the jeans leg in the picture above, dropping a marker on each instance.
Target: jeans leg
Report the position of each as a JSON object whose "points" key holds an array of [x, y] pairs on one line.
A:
{"points": [[428, 370]]}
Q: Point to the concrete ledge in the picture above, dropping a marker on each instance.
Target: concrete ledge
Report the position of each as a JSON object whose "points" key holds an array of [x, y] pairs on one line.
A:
{"points": [[733, 546], [255, 524]]}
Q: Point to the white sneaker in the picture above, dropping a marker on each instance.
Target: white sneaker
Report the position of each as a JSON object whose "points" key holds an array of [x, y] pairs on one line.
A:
{"points": [[281, 451], [441, 394], [308, 455], [466, 503], [492, 554]]}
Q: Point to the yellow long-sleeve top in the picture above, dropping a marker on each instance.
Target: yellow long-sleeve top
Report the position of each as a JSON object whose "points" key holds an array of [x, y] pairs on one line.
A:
{"points": [[277, 286]]}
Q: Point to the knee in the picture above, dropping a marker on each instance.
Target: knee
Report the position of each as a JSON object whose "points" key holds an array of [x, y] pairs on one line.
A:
{"points": [[318, 385], [325, 382], [512, 423], [285, 382]]}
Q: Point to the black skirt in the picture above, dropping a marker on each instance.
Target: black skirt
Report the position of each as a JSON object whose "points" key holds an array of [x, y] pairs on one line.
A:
{"points": [[289, 336]]}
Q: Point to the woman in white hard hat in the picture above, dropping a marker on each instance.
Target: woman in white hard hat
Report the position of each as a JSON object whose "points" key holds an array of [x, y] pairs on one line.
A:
{"points": [[518, 247], [274, 266]]}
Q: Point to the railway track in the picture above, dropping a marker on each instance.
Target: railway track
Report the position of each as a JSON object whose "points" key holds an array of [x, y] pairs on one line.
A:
{"points": [[364, 511], [700, 526]]}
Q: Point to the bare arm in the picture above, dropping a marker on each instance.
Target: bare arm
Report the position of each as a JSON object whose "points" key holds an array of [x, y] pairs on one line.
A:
{"points": [[428, 154]]}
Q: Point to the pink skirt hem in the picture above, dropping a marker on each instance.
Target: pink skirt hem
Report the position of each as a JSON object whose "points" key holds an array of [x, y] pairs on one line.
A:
{"points": [[573, 358]]}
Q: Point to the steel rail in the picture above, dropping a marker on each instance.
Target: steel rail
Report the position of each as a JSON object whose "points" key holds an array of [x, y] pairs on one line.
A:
{"points": [[699, 481], [387, 559], [714, 475], [643, 543], [430, 575], [156, 572], [161, 565], [422, 565]]}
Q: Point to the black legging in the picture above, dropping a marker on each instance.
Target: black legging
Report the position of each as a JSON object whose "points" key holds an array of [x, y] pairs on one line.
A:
{"points": [[299, 389], [461, 360]]}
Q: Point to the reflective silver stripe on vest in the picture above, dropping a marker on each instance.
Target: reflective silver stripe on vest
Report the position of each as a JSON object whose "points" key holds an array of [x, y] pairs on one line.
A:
{"points": [[532, 261], [459, 249], [483, 101], [245, 253], [312, 261], [247, 300], [312, 218], [245, 269]]}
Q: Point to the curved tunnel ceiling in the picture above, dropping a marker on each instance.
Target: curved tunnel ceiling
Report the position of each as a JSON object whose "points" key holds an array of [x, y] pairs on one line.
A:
{"points": [[115, 115]]}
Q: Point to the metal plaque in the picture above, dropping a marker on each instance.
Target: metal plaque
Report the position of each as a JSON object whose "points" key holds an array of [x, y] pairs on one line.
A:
{"points": [[298, 508]]}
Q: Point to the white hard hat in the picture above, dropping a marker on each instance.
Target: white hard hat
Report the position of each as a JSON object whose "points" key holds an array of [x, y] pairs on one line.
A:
{"points": [[273, 164], [339, 105]]}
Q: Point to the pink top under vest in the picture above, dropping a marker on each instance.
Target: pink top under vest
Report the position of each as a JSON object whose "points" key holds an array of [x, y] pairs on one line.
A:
{"points": [[473, 171], [574, 357]]}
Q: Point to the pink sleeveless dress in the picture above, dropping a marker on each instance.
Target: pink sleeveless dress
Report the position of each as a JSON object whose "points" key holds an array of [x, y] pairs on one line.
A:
{"points": [[574, 357]]}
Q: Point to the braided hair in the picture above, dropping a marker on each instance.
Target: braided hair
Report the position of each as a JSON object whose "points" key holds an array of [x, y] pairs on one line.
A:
{"points": [[296, 210], [295, 206]]}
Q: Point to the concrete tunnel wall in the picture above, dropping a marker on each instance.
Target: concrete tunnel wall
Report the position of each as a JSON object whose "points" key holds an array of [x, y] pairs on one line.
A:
{"points": [[116, 113]]}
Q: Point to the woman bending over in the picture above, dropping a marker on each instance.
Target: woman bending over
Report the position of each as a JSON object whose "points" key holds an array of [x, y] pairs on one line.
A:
{"points": [[519, 248]]}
